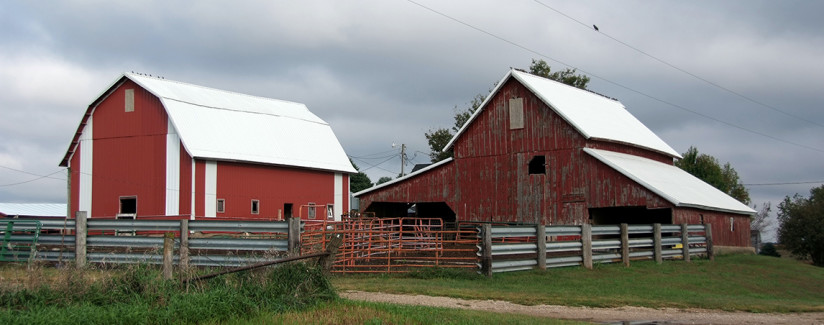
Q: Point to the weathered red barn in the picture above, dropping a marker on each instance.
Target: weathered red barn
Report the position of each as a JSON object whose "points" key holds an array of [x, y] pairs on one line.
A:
{"points": [[539, 151], [149, 146]]}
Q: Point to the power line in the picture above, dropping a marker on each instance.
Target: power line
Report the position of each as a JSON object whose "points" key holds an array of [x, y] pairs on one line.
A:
{"points": [[785, 183], [615, 83], [34, 179], [747, 98]]}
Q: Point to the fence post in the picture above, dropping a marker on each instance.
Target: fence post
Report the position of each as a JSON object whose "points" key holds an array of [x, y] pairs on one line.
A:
{"points": [[541, 242], [184, 244], [168, 254], [294, 236], [486, 250], [708, 235], [586, 245], [685, 242], [625, 244], [80, 239], [656, 242]]}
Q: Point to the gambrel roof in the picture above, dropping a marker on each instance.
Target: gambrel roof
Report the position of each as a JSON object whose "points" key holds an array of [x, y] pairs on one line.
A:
{"points": [[223, 125], [594, 116]]}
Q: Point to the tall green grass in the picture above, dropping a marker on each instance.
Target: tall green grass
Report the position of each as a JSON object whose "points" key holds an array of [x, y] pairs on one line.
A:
{"points": [[139, 295]]}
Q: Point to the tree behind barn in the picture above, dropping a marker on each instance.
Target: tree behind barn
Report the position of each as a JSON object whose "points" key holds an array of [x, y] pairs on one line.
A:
{"points": [[801, 225], [707, 168], [360, 181], [438, 138]]}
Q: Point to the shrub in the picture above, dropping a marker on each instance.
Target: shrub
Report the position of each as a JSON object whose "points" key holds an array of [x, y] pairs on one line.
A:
{"points": [[768, 249]]}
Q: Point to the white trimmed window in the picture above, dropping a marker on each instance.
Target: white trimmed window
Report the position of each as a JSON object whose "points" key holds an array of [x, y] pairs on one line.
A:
{"points": [[221, 205], [255, 207]]}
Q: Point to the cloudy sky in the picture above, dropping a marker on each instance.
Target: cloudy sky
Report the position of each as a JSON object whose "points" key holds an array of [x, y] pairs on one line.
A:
{"points": [[740, 80]]}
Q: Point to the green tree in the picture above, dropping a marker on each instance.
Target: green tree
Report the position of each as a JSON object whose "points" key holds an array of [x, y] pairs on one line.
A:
{"points": [[801, 225], [360, 181], [707, 168], [769, 250], [438, 138], [383, 180]]}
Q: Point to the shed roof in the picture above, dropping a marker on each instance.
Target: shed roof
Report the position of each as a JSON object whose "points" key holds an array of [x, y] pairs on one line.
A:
{"points": [[672, 183], [223, 125], [593, 115], [34, 209]]}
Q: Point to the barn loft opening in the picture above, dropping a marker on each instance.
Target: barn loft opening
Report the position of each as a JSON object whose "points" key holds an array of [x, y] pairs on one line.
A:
{"points": [[629, 215], [128, 205], [537, 165], [255, 206], [417, 210]]}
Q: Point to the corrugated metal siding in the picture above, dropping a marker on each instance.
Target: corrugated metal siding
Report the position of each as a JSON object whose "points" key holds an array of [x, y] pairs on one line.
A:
{"points": [[74, 165], [239, 184], [130, 153], [200, 188]]}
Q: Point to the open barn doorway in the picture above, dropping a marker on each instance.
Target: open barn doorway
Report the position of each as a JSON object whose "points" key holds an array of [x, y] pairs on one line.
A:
{"points": [[630, 215], [417, 210]]}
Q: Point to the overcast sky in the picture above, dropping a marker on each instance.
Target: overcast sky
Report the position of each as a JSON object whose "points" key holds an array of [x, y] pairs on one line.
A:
{"points": [[741, 80]]}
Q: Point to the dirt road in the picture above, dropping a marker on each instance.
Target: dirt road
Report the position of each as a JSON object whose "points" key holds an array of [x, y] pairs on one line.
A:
{"points": [[599, 315]]}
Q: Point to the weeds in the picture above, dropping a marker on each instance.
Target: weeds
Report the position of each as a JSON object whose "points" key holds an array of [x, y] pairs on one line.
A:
{"points": [[139, 294]]}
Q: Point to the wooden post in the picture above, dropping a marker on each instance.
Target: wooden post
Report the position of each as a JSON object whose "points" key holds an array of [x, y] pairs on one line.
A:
{"points": [[486, 250], [294, 236], [541, 242], [656, 242], [586, 245], [168, 255], [332, 249], [184, 245], [708, 235], [685, 242], [625, 244], [80, 239]]}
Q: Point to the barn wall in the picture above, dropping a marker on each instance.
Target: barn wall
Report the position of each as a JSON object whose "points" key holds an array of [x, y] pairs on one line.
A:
{"points": [[435, 185], [238, 184], [728, 229], [130, 153], [185, 195]]}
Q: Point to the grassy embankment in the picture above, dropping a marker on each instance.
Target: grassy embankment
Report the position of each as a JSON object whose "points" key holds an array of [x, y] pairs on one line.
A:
{"points": [[734, 282]]}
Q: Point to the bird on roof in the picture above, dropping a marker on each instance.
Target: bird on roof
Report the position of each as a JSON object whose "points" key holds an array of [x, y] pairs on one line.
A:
{"points": [[596, 27]]}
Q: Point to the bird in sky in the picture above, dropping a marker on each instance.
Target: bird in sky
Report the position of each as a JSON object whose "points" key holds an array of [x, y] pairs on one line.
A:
{"points": [[596, 27]]}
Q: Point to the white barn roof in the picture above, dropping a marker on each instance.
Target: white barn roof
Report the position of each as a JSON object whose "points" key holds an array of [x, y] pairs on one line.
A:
{"points": [[670, 182], [593, 115], [34, 209], [223, 125]]}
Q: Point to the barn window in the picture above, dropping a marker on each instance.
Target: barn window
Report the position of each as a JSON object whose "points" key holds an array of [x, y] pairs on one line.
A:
{"points": [[330, 212], [516, 113], [311, 210], [255, 207], [537, 165], [128, 205], [221, 205], [129, 100]]}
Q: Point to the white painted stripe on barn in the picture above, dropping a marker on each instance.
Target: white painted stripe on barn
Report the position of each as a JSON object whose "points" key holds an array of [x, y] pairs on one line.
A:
{"points": [[85, 173], [210, 190], [172, 171], [338, 196]]}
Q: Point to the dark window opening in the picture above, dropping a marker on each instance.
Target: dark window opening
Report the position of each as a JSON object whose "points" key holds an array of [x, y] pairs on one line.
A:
{"points": [[128, 205], [330, 212], [537, 165], [287, 211], [255, 206], [221, 205]]}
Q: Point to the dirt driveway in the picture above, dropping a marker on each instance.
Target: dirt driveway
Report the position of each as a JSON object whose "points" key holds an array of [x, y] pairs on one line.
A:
{"points": [[600, 315]]}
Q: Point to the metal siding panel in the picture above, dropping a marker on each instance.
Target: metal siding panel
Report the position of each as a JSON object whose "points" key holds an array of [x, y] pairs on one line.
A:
{"points": [[199, 190], [210, 189], [186, 182], [338, 196]]}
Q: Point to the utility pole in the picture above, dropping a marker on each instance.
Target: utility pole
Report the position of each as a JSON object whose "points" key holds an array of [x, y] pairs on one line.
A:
{"points": [[403, 157]]}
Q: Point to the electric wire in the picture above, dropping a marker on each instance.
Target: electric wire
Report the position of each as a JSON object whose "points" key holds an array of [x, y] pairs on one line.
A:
{"points": [[523, 47]]}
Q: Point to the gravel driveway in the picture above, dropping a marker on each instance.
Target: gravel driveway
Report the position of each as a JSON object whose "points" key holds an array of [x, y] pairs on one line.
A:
{"points": [[599, 315]]}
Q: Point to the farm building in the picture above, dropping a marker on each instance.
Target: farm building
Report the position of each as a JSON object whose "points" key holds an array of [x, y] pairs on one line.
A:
{"points": [[33, 210], [541, 152], [148, 146]]}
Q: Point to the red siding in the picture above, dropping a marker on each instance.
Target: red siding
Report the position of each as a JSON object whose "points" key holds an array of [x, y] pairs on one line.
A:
{"points": [[722, 232], [239, 184], [129, 153], [200, 188], [74, 165]]}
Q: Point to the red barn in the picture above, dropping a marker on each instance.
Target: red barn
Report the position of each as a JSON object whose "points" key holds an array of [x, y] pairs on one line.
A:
{"points": [[542, 152], [153, 147]]}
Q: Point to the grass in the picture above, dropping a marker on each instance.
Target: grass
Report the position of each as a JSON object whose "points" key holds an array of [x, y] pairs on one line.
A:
{"points": [[353, 312], [733, 282]]}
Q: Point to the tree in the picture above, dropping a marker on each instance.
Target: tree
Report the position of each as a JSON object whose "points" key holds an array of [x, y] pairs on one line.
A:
{"points": [[383, 180], [360, 181], [769, 250], [801, 225], [761, 220], [438, 138], [707, 168]]}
